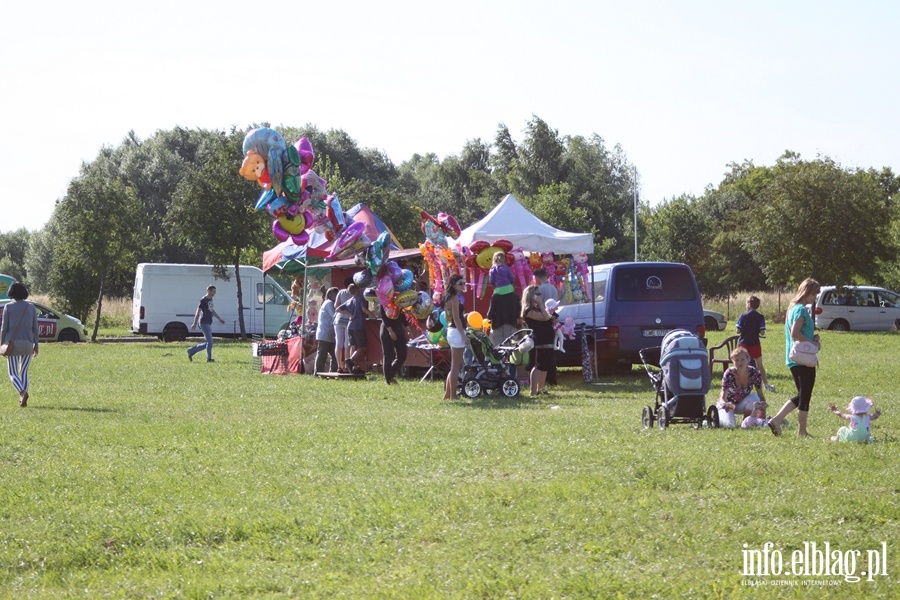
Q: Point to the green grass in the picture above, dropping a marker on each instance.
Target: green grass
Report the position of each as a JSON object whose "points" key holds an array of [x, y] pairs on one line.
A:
{"points": [[134, 473]]}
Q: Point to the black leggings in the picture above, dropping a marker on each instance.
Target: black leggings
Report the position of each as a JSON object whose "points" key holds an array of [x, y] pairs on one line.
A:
{"points": [[805, 380], [394, 354]]}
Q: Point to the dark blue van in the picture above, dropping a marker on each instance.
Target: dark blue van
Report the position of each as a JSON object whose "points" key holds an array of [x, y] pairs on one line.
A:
{"points": [[635, 305]]}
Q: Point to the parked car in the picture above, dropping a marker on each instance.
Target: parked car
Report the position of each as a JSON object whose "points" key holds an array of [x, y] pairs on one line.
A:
{"points": [[714, 321], [857, 308], [54, 326], [635, 305]]}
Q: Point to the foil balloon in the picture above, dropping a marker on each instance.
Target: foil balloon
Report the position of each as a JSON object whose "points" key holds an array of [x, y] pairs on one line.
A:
{"points": [[352, 240]]}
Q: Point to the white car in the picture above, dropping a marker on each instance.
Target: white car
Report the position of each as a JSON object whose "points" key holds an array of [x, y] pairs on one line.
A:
{"points": [[857, 308], [54, 326], [714, 321]]}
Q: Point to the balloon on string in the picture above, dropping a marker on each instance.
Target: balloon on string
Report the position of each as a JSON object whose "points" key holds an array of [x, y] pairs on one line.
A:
{"points": [[363, 278], [406, 298], [385, 290], [423, 305], [474, 319], [407, 278]]}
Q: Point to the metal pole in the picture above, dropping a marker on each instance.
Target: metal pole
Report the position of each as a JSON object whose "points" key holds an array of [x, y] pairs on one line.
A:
{"points": [[634, 190]]}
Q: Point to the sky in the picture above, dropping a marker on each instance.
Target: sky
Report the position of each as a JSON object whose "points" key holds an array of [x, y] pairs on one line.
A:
{"points": [[685, 87]]}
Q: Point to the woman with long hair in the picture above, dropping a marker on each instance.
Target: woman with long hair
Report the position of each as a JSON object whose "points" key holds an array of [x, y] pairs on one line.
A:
{"points": [[799, 326], [541, 323], [20, 323], [454, 306]]}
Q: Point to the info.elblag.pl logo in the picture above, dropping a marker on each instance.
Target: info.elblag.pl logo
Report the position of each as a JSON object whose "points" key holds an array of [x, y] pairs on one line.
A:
{"points": [[815, 560]]}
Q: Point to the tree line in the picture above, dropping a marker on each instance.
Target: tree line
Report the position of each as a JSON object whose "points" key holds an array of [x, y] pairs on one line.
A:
{"points": [[177, 197]]}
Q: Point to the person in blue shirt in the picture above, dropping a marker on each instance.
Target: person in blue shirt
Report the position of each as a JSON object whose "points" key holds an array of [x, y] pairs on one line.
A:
{"points": [[751, 325], [204, 315], [358, 309]]}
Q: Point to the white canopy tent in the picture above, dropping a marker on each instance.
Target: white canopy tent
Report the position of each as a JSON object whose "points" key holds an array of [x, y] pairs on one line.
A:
{"points": [[511, 221]]}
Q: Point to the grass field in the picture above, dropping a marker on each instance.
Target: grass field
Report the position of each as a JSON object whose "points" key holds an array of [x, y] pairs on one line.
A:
{"points": [[134, 473]]}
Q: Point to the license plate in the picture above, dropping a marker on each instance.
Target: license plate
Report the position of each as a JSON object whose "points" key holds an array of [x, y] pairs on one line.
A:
{"points": [[655, 332]]}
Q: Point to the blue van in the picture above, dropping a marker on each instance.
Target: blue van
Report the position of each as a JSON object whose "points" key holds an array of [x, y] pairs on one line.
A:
{"points": [[635, 305]]}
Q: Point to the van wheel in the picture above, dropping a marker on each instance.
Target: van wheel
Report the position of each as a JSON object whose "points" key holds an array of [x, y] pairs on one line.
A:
{"points": [[174, 332], [839, 325]]}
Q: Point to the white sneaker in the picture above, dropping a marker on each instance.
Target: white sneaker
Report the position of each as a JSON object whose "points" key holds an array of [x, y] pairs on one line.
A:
{"points": [[769, 387]]}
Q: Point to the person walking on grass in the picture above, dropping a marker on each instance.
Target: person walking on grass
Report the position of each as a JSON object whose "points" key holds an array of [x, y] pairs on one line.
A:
{"points": [[20, 323], [204, 315], [393, 344], [799, 326]]}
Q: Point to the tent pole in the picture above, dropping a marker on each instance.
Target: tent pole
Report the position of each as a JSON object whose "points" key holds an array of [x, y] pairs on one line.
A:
{"points": [[593, 317], [263, 327]]}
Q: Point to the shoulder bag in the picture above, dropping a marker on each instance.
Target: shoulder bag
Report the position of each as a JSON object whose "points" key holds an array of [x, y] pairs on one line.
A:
{"points": [[16, 347], [804, 353]]}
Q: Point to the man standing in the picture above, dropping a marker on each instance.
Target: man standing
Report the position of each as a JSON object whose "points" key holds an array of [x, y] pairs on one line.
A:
{"points": [[204, 314], [548, 290]]}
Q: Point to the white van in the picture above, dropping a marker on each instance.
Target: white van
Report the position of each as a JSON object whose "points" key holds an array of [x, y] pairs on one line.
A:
{"points": [[166, 298]]}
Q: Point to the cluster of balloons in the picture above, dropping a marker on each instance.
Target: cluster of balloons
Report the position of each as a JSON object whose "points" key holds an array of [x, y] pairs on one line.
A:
{"points": [[443, 262], [293, 193]]}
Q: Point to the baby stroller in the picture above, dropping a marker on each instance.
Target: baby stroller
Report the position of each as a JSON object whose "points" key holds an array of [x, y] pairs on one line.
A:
{"points": [[489, 371], [679, 371]]}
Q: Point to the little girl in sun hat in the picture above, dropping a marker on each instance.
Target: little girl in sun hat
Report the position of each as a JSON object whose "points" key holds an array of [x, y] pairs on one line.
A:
{"points": [[860, 429]]}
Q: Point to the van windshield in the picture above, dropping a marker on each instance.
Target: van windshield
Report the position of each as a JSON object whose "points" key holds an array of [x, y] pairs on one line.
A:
{"points": [[654, 284]]}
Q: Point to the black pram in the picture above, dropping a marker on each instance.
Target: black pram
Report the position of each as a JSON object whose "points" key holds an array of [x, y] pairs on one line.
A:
{"points": [[679, 371]]}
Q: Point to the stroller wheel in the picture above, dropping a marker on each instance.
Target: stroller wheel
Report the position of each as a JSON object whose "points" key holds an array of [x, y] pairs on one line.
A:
{"points": [[712, 417], [471, 388], [647, 417], [510, 388], [662, 418]]}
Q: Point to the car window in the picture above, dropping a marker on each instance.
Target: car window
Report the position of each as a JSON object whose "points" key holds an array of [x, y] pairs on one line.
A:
{"points": [[865, 298], [599, 288], [45, 313], [837, 298], [654, 284], [888, 299]]}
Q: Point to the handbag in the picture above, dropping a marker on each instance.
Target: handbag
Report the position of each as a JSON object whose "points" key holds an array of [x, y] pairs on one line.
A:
{"points": [[15, 347], [804, 353]]}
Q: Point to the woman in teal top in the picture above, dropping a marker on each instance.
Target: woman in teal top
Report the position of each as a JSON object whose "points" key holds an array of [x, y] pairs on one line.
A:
{"points": [[799, 326]]}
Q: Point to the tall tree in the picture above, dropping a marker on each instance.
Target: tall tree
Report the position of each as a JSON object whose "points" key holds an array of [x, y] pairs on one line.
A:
{"points": [[212, 208], [817, 219], [100, 216], [676, 231], [602, 185], [13, 246], [540, 158]]}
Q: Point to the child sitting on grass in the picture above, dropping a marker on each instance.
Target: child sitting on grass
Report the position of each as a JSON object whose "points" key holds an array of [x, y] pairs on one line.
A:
{"points": [[860, 429], [757, 418]]}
